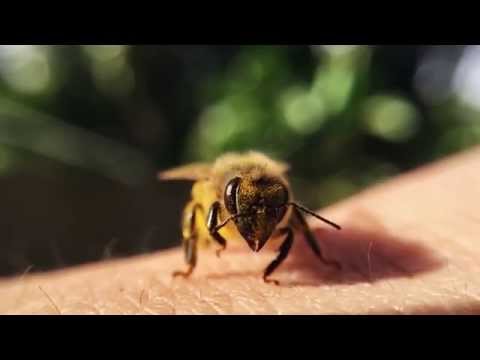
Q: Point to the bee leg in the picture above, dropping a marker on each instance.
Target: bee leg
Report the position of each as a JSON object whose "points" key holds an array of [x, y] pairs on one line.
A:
{"points": [[310, 238], [190, 248], [189, 240], [212, 222], [283, 252]]}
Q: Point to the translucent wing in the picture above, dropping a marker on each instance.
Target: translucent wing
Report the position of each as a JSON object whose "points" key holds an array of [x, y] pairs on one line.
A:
{"points": [[195, 171]]}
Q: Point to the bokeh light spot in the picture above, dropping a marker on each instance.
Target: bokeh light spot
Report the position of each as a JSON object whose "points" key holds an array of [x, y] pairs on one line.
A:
{"points": [[25, 68], [391, 118], [111, 70], [466, 81], [335, 50], [303, 111], [104, 52], [335, 85]]}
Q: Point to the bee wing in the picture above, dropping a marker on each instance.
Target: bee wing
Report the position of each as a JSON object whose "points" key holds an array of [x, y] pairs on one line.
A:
{"points": [[195, 171]]}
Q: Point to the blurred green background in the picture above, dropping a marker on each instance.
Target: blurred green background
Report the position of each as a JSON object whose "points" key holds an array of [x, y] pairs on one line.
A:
{"points": [[83, 130]]}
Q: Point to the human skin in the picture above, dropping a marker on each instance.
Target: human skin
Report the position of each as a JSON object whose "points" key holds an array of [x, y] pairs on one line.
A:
{"points": [[408, 246]]}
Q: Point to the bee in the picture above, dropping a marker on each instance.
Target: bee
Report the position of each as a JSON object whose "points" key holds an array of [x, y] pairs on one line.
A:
{"points": [[241, 196]]}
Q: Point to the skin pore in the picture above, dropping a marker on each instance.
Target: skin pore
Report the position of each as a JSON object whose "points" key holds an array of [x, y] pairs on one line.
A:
{"points": [[408, 246]]}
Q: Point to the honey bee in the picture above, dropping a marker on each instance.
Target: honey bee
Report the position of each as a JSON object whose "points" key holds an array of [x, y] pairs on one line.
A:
{"points": [[241, 196]]}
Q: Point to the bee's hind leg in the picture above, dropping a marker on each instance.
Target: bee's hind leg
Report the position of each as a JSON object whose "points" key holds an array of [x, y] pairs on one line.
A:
{"points": [[283, 252], [190, 237], [190, 249], [300, 221]]}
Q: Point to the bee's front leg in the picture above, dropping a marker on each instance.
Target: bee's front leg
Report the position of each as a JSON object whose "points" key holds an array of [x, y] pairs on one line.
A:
{"points": [[190, 236], [212, 222], [310, 238], [283, 252]]}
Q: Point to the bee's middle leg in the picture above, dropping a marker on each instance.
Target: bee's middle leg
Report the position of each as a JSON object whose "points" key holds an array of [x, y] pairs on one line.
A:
{"points": [[190, 237], [212, 222], [283, 252]]}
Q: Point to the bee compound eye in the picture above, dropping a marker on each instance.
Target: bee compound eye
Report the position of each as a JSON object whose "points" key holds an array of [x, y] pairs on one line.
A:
{"points": [[230, 197]]}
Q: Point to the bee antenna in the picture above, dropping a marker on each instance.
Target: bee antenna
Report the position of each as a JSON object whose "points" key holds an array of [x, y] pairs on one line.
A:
{"points": [[304, 209]]}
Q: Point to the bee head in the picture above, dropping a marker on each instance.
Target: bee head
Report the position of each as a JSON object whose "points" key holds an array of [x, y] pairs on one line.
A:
{"points": [[260, 205]]}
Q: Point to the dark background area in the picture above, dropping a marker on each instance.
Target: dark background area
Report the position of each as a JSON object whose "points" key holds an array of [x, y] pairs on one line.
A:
{"points": [[84, 129]]}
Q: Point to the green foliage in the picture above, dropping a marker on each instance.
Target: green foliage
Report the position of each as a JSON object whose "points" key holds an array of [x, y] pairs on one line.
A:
{"points": [[344, 116]]}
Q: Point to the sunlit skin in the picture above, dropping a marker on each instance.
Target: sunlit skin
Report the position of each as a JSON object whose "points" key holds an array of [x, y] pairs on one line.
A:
{"points": [[241, 197], [392, 235]]}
